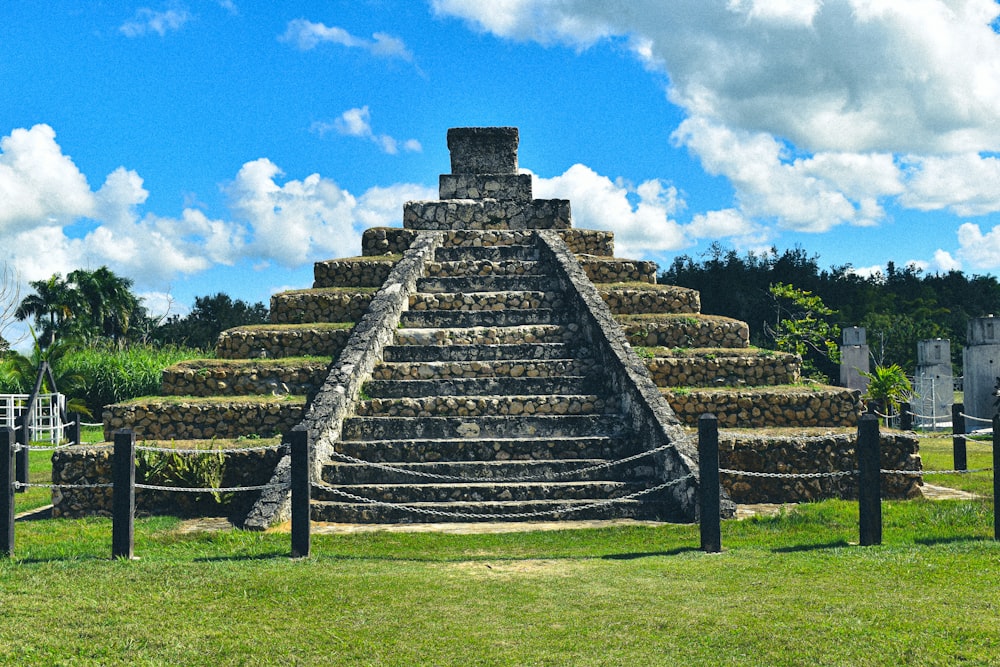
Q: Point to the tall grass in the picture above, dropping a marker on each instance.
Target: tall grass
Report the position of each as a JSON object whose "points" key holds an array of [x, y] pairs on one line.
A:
{"points": [[111, 375]]}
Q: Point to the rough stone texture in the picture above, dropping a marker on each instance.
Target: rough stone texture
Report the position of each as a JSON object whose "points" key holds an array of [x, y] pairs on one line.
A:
{"points": [[762, 408], [480, 267], [484, 300], [92, 465], [486, 214], [462, 406], [685, 331], [483, 150], [515, 187], [320, 305], [241, 378], [275, 341], [614, 270], [395, 240], [340, 391], [812, 451], [200, 419], [645, 410], [441, 370], [627, 300], [724, 367], [535, 333], [353, 272]]}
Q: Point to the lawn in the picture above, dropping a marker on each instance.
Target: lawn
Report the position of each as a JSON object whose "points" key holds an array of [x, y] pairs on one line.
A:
{"points": [[792, 589]]}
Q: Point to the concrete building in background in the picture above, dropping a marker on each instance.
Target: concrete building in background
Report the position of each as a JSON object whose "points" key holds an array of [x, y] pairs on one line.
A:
{"points": [[854, 358], [981, 361], [932, 383]]}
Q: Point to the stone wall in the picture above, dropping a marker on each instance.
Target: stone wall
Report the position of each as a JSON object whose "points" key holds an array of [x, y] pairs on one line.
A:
{"points": [[726, 367], [735, 408], [88, 466], [282, 341], [487, 214], [685, 331], [258, 378], [662, 299], [615, 270], [395, 240], [818, 450], [353, 271], [322, 305], [199, 420]]}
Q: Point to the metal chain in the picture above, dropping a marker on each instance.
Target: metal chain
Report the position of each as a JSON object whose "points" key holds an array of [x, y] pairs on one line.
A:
{"points": [[228, 489], [516, 515], [782, 475], [173, 450], [526, 478], [976, 419], [934, 472], [22, 485]]}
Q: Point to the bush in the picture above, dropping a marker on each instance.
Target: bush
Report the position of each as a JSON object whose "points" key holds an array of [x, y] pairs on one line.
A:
{"points": [[111, 375]]}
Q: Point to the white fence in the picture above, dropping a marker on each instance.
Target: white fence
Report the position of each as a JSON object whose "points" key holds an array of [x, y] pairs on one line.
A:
{"points": [[46, 423]]}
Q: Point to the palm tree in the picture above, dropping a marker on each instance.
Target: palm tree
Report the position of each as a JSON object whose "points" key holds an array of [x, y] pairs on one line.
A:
{"points": [[51, 306], [105, 301], [19, 373]]}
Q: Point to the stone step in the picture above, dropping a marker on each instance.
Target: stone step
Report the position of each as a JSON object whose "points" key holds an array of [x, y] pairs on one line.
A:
{"points": [[518, 492], [450, 450], [617, 270], [487, 214], [483, 300], [383, 240], [539, 510], [486, 406], [493, 335], [244, 377], [768, 407], [192, 418], [454, 471], [488, 386], [480, 318], [685, 331], [353, 271], [405, 428], [497, 253], [488, 283], [283, 340], [644, 298], [329, 304], [482, 352], [481, 268], [514, 368], [710, 367]]}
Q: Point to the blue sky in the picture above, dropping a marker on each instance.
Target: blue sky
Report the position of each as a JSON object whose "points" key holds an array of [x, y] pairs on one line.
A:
{"points": [[198, 146]]}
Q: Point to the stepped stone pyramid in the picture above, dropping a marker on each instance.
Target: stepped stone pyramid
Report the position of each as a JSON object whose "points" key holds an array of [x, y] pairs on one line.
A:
{"points": [[482, 365]]}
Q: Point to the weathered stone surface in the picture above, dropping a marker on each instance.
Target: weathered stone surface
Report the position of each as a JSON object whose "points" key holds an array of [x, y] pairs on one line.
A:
{"points": [[721, 366], [320, 305], [515, 187], [614, 270], [768, 407], [685, 331], [197, 419], [283, 340], [629, 299], [484, 300], [353, 271], [395, 240], [806, 451], [243, 378], [483, 150], [486, 214]]}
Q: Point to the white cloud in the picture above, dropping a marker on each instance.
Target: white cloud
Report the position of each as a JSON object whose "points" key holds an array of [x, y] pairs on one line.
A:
{"points": [[161, 22], [819, 112], [357, 123], [599, 203], [943, 262], [981, 251], [306, 35]]}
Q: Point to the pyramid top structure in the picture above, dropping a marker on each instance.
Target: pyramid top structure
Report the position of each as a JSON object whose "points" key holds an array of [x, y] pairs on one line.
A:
{"points": [[483, 150]]}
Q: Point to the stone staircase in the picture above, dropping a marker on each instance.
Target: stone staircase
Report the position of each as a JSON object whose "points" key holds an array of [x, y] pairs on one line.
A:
{"points": [[506, 370]]}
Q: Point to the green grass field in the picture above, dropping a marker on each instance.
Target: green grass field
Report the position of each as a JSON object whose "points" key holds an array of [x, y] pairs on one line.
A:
{"points": [[791, 589]]}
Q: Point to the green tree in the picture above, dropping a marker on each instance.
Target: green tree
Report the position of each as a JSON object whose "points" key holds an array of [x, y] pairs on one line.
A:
{"points": [[888, 386], [211, 316], [51, 307], [104, 303], [19, 373], [803, 326]]}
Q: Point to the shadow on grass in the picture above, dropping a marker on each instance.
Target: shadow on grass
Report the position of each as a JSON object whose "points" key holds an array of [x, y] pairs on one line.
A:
{"points": [[242, 557], [839, 544], [651, 554], [931, 541]]}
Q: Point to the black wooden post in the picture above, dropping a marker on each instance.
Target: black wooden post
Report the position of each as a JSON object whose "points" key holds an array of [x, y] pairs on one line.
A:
{"points": [[75, 430], [905, 417], [708, 485], [8, 466], [869, 481], [23, 438], [301, 488], [958, 436], [996, 479], [123, 495]]}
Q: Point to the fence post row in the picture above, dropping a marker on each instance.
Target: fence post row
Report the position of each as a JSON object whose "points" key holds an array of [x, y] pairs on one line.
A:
{"points": [[958, 436], [301, 489], [905, 417], [123, 495], [8, 466], [869, 481], [709, 484]]}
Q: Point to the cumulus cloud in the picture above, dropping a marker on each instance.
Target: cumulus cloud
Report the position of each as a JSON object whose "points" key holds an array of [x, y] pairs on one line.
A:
{"points": [[161, 22], [53, 220], [820, 113], [357, 123], [306, 35]]}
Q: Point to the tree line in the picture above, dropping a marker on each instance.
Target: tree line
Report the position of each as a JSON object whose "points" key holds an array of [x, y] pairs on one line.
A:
{"points": [[897, 307]]}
